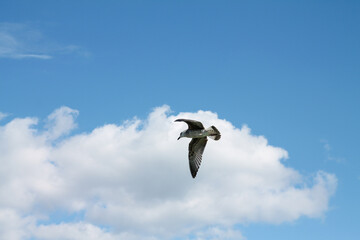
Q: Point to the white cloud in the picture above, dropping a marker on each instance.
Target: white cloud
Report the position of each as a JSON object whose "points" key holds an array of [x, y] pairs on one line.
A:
{"points": [[71, 231], [134, 179], [61, 122], [218, 233], [20, 41], [13, 226]]}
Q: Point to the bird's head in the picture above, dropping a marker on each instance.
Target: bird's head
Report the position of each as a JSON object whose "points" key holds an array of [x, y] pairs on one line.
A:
{"points": [[181, 135]]}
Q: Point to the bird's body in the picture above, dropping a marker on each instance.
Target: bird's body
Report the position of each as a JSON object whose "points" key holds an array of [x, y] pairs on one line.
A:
{"points": [[199, 135]]}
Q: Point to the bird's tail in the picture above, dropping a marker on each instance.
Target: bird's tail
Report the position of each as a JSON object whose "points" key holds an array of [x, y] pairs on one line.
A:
{"points": [[214, 133]]}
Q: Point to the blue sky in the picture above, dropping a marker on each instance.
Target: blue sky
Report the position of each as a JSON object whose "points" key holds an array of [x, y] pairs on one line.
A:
{"points": [[289, 70]]}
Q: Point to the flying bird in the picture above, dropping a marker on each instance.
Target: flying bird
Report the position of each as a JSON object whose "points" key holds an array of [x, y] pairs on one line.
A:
{"points": [[199, 135]]}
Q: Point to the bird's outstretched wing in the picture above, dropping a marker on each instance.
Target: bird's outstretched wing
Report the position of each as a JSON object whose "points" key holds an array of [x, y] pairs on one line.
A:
{"points": [[193, 125], [196, 149]]}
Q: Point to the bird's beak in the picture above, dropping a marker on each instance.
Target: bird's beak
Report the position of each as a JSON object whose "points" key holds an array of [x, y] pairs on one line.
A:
{"points": [[178, 138]]}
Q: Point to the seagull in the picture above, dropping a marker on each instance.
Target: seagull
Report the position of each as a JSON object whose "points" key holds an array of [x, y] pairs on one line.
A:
{"points": [[199, 135]]}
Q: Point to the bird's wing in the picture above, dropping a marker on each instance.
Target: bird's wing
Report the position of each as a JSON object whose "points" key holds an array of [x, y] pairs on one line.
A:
{"points": [[196, 149], [191, 123]]}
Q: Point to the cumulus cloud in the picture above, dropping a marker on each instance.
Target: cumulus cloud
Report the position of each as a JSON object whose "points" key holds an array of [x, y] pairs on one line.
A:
{"points": [[132, 180], [218, 233], [61, 122], [73, 231]]}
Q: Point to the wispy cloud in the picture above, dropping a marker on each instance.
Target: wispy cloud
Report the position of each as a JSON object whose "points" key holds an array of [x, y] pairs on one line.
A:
{"points": [[21, 56], [21, 41], [329, 154], [3, 115]]}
